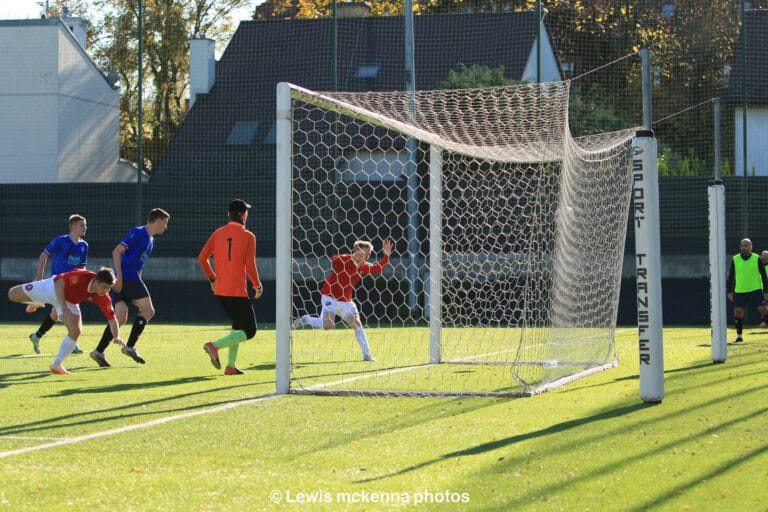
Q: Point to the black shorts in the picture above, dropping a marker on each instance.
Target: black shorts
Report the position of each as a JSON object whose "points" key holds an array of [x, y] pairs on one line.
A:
{"points": [[240, 312], [132, 290], [740, 300]]}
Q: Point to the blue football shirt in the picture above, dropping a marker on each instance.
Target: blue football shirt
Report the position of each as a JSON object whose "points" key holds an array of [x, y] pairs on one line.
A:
{"points": [[66, 255], [138, 247]]}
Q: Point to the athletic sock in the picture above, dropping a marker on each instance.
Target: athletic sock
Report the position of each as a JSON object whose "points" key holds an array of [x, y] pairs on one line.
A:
{"points": [[67, 344], [232, 354], [45, 326], [233, 338], [362, 340], [138, 327], [739, 323], [106, 337], [315, 322]]}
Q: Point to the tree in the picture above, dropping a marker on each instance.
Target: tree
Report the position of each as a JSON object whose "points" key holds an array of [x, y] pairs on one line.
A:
{"points": [[167, 27]]}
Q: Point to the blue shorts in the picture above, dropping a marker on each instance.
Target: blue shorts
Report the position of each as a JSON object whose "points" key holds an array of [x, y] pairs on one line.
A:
{"points": [[740, 300], [132, 290]]}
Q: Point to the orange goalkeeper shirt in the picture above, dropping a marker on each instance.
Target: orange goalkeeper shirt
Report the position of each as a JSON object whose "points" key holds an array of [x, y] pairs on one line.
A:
{"points": [[234, 256]]}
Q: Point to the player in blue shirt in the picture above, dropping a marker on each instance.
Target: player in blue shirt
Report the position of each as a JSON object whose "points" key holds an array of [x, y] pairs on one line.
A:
{"points": [[66, 252], [129, 257]]}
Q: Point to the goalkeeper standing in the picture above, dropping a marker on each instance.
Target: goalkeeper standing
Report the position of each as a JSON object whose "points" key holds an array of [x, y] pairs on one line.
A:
{"points": [[336, 299], [234, 257], [747, 283]]}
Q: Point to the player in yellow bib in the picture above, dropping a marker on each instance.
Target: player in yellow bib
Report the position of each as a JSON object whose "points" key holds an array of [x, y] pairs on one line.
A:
{"points": [[746, 284]]}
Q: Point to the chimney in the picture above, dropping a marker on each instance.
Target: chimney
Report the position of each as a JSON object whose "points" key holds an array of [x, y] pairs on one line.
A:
{"points": [[353, 9], [202, 67], [76, 26]]}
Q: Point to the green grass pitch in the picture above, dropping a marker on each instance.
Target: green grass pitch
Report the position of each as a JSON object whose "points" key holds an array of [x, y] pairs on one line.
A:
{"points": [[176, 434]]}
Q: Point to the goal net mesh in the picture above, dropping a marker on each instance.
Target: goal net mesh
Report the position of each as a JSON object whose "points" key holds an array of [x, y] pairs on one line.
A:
{"points": [[508, 239]]}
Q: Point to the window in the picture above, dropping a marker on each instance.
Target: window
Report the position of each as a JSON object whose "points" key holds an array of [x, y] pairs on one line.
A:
{"points": [[271, 136], [367, 72], [374, 166], [242, 133]]}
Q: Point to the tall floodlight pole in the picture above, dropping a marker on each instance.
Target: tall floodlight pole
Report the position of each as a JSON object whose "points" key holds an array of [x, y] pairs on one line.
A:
{"points": [[140, 116], [645, 197], [411, 168], [745, 165], [538, 42], [334, 47]]}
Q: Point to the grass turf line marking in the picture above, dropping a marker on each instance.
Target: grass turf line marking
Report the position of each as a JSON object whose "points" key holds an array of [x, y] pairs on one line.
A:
{"points": [[323, 385], [128, 428]]}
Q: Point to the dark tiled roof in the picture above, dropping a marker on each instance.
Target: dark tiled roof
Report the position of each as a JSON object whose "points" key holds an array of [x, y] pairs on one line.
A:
{"points": [[756, 24], [263, 53]]}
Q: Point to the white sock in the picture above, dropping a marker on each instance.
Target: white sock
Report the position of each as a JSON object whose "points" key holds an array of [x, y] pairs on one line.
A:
{"points": [[66, 347], [362, 340], [316, 323]]}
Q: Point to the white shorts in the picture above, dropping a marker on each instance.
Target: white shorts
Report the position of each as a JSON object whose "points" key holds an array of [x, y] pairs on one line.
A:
{"points": [[337, 307], [44, 292]]}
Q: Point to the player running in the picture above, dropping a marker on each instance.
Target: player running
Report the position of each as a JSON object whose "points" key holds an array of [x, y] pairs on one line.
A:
{"points": [[67, 252], [129, 257], [336, 295], [65, 292]]}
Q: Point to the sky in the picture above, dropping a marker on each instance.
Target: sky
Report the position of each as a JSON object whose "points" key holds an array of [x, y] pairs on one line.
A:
{"points": [[20, 9], [32, 9]]}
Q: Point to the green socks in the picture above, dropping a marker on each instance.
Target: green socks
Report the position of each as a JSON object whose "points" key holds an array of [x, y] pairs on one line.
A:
{"points": [[232, 342]]}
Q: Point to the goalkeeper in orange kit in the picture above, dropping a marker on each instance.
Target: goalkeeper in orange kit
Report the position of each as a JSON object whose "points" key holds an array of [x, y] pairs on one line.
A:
{"points": [[234, 256]]}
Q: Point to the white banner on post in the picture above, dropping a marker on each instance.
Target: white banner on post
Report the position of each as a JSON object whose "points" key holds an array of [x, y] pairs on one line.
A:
{"points": [[645, 198]]}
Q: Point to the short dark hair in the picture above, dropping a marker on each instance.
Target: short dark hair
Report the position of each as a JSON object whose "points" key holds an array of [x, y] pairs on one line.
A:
{"points": [[238, 207], [158, 213], [106, 275]]}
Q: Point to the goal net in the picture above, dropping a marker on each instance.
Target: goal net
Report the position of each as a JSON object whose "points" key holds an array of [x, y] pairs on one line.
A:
{"points": [[508, 240]]}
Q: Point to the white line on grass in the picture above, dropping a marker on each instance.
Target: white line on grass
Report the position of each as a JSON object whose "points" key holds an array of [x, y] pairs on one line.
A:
{"points": [[128, 428], [323, 385]]}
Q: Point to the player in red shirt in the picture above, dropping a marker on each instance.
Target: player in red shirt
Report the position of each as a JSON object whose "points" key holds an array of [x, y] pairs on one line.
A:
{"points": [[336, 295], [233, 249], [65, 292]]}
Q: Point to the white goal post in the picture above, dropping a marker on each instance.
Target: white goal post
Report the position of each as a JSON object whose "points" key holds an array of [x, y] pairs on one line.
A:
{"points": [[508, 240]]}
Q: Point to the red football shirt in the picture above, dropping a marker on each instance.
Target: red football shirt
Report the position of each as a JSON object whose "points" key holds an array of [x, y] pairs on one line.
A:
{"points": [[345, 275], [76, 291]]}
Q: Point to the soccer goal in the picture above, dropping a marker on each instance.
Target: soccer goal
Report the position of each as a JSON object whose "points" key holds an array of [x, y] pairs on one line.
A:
{"points": [[508, 239]]}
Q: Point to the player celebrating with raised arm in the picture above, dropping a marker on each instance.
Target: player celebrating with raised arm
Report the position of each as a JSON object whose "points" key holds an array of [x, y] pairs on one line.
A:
{"points": [[747, 283], [129, 257], [65, 292], [336, 295], [233, 249], [67, 252]]}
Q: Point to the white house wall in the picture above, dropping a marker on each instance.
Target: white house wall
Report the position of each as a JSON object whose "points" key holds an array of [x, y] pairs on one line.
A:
{"points": [[28, 139], [28, 86], [88, 118], [757, 141], [59, 118]]}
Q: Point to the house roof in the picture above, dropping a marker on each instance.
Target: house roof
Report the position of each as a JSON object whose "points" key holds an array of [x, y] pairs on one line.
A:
{"points": [[756, 25], [370, 57]]}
